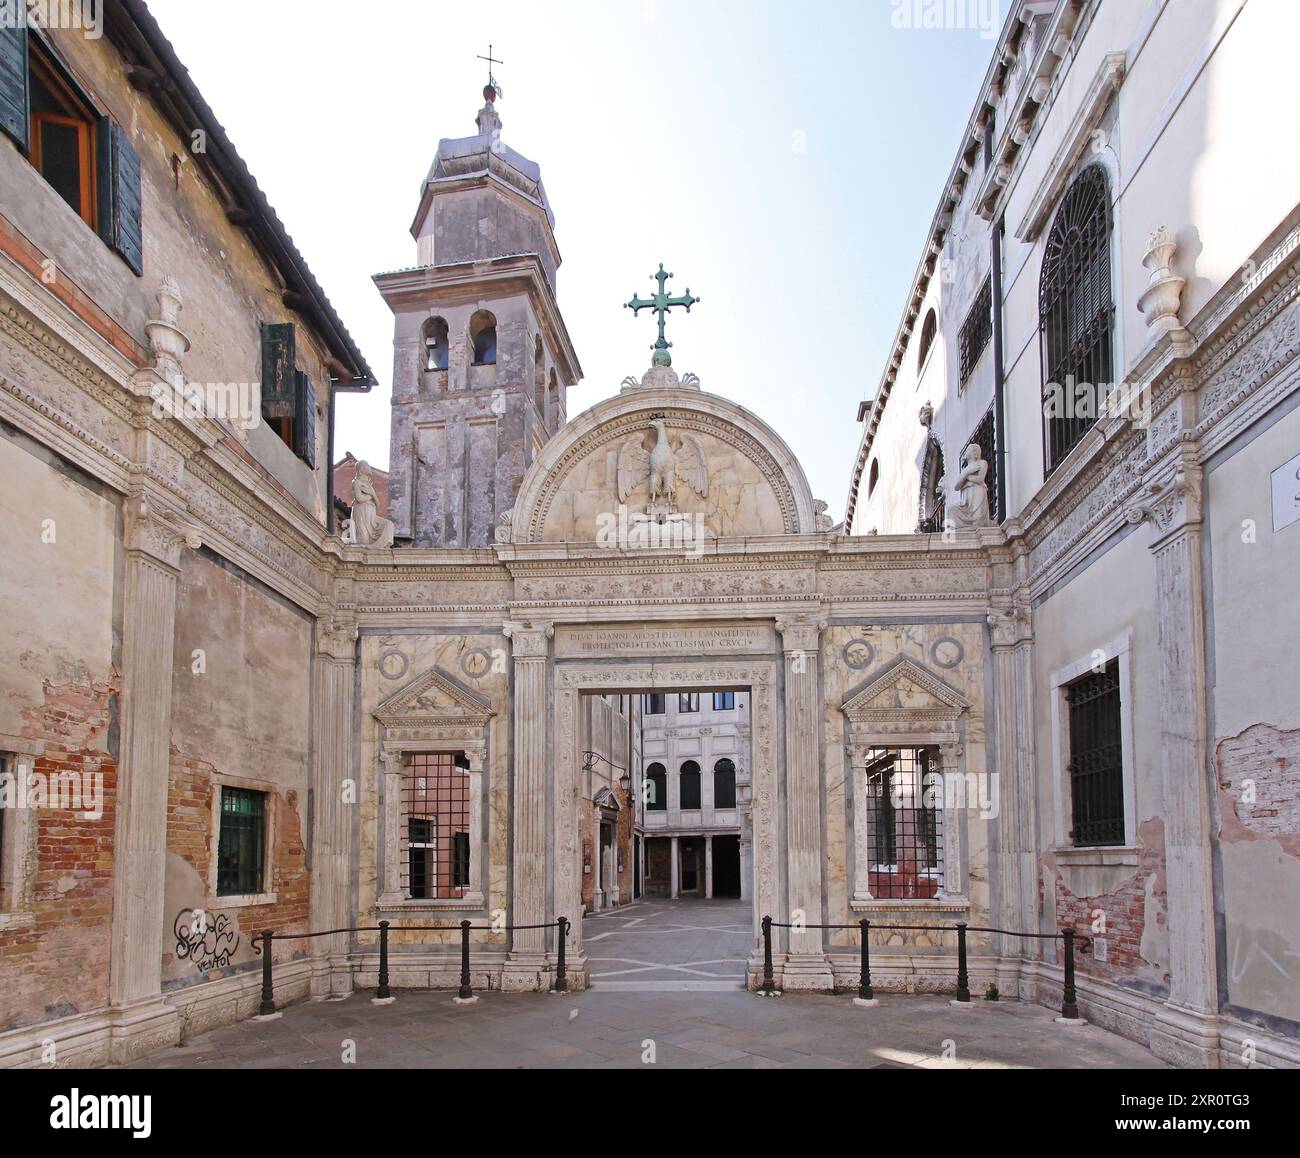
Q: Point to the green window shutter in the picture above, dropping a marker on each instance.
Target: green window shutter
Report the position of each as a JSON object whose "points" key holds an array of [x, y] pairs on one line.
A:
{"points": [[119, 194], [279, 385], [13, 85], [304, 423]]}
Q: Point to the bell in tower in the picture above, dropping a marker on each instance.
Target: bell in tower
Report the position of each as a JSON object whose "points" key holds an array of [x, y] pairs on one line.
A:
{"points": [[482, 358]]}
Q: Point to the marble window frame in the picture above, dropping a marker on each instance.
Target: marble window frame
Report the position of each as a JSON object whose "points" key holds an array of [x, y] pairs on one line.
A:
{"points": [[1118, 648], [268, 896], [18, 852]]}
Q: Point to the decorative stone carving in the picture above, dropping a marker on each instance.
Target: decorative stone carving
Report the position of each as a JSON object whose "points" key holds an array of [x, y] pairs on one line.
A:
{"points": [[1160, 301], [504, 526], [661, 378], [661, 467], [970, 505], [1170, 506], [824, 521], [927, 416], [159, 531], [366, 528], [166, 339]]}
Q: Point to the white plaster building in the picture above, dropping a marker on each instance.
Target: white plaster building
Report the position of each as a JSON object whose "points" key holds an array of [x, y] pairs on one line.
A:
{"points": [[694, 808], [1106, 305]]}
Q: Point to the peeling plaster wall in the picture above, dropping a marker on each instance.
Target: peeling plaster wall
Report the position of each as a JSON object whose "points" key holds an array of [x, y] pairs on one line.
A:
{"points": [[1256, 724], [241, 711]]}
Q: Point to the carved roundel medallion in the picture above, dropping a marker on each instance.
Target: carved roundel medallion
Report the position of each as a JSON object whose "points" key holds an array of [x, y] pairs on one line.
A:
{"points": [[859, 654], [475, 663], [393, 665], [947, 652]]}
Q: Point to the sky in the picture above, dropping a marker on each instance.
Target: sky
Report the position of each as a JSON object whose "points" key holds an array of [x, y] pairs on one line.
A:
{"points": [[782, 159]]}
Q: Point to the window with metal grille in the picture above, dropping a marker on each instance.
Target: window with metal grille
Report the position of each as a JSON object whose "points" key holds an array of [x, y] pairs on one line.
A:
{"points": [[724, 701], [933, 505], [241, 843], [436, 847], [904, 823], [724, 784], [1076, 315], [976, 330], [689, 786], [985, 440], [1096, 758]]}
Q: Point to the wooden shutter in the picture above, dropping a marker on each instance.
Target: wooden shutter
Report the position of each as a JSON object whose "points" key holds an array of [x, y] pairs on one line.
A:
{"points": [[119, 194], [279, 383], [14, 85], [304, 422]]}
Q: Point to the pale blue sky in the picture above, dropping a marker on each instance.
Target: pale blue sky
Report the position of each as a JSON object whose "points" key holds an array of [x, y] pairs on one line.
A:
{"points": [[667, 130]]}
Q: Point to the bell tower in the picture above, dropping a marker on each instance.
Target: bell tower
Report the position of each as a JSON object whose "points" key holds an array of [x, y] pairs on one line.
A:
{"points": [[482, 359]]}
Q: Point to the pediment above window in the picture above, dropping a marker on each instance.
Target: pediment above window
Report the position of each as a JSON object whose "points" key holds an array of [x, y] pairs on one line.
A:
{"points": [[905, 698]]}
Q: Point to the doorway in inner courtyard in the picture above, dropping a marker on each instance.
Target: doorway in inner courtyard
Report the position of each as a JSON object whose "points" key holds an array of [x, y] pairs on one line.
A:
{"points": [[666, 837]]}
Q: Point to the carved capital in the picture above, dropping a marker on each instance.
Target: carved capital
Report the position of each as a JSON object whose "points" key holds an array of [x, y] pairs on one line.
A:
{"points": [[1010, 625], [336, 638], [157, 530], [529, 639], [801, 633], [1170, 506]]}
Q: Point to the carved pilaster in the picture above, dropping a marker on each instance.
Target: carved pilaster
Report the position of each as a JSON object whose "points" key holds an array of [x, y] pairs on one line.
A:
{"points": [[527, 961], [392, 763], [1011, 640], [335, 796], [1173, 507], [807, 967], [156, 534]]}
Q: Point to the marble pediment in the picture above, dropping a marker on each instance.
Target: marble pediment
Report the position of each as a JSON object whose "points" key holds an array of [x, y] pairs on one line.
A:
{"points": [[676, 457], [433, 700], [905, 692]]}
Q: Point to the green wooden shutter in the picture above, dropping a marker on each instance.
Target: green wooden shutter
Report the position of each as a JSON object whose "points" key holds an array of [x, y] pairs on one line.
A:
{"points": [[119, 194], [304, 422], [279, 387], [13, 85]]}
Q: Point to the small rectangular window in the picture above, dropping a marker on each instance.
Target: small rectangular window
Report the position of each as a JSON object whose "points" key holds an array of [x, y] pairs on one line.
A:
{"points": [[724, 701], [1096, 765], [241, 846], [655, 704], [62, 135], [688, 702]]}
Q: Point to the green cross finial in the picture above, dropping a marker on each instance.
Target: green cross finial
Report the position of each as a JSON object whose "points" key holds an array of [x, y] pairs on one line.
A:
{"points": [[661, 303]]}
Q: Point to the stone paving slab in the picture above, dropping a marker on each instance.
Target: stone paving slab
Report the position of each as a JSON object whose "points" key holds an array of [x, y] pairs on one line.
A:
{"points": [[659, 953]]}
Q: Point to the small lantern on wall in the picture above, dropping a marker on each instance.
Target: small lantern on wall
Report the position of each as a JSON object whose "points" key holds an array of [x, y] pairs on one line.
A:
{"points": [[586, 857]]}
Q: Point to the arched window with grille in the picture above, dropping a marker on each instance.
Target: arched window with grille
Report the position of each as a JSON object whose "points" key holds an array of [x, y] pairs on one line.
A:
{"points": [[1076, 314]]}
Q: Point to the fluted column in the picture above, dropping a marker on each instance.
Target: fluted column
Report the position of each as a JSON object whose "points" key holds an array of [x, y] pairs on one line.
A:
{"points": [[806, 966], [527, 962], [334, 799], [1173, 507], [156, 535]]}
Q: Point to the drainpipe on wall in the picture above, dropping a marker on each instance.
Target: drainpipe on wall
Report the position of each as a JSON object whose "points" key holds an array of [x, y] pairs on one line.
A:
{"points": [[999, 431]]}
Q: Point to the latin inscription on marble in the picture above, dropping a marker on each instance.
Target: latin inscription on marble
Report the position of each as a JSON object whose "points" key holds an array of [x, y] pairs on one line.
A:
{"points": [[614, 642]]}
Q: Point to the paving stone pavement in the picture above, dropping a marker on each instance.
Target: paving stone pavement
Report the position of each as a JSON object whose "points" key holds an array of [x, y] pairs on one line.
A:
{"points": [[647, 1001]]}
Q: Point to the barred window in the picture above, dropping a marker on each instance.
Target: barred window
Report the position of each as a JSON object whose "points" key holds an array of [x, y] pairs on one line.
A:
{"points": [[435, 803], [1096, 758], [984, 438], [241, 843], [976, 330], [1076, 314], [904, 823]]}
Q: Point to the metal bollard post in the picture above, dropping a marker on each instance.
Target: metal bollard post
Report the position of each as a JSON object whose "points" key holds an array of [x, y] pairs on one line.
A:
{"points": [[466, 990], [963, 981], [561, 975], [864, 981], [383, 994], [1069, 999], [769, 982], [268, 986]]}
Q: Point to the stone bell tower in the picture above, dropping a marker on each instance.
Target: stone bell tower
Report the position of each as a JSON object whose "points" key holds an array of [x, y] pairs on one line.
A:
{"points": [[482, 359]]}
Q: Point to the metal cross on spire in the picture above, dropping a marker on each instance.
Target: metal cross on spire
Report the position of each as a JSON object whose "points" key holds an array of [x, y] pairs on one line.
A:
{"points": [[491, 60], [661, 303]]}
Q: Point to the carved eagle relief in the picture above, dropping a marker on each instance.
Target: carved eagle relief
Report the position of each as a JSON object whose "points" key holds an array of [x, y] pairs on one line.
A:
{"points": [[662, 466]]}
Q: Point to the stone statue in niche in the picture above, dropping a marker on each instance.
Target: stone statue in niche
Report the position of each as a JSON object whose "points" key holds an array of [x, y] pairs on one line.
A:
{"points": [[366, 528], [970, 505], [662, 467]]}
